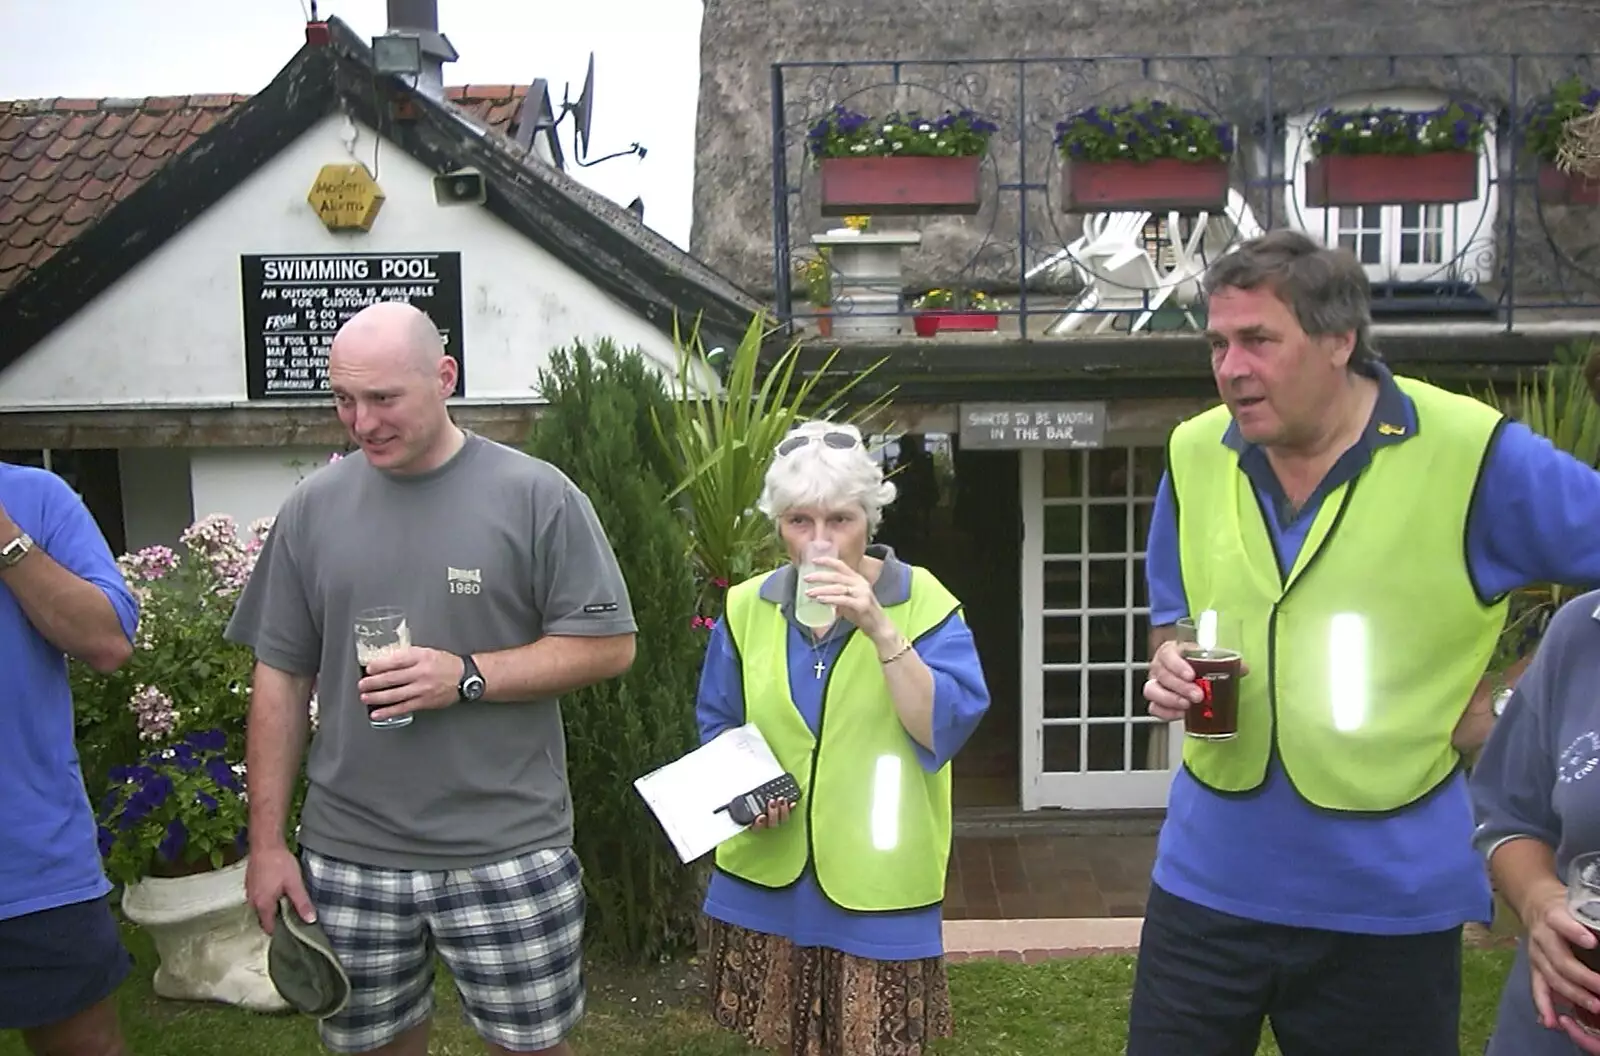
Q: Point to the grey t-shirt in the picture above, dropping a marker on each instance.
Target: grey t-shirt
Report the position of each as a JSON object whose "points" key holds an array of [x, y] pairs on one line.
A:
{"points": [[493, 550], [1539, 776]]}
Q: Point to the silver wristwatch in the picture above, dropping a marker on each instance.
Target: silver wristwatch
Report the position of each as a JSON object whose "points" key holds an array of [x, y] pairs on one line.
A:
{"points": [[15, 550], [1500, 700]]}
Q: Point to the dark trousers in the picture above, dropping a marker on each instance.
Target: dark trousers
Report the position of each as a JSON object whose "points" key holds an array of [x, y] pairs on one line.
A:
{"points": [[1206, 981]]}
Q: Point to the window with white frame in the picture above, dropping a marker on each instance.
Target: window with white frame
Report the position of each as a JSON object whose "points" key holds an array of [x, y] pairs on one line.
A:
{"points": [[1096, 619], [1399, 243]]}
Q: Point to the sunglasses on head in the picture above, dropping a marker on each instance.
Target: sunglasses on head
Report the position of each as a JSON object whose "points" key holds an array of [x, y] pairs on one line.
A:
{"points": [[834, 438]]}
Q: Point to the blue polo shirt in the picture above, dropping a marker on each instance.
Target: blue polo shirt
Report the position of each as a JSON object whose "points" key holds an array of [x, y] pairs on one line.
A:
{"points": [[48, 852], [1271, 856]]}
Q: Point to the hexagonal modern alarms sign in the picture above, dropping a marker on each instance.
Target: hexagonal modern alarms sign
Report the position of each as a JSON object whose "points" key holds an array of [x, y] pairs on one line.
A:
{"points": [[346, 197]]}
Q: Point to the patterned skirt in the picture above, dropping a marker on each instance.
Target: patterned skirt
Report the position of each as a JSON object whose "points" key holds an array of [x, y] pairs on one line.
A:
{"points": [[813, 1001]]}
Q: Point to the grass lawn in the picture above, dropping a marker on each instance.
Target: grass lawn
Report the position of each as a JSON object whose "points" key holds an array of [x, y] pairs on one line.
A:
{"points": [[1070, 1006]]}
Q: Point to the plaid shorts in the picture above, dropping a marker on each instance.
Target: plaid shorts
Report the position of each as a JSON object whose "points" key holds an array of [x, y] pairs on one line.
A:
{"points": [[511, 934]]}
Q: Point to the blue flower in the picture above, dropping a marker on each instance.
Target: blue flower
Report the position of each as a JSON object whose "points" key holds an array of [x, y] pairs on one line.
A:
{"points": [[220, 772], [184, 754], [209, 802], [208, 740], [172, 844], [106, 839]]}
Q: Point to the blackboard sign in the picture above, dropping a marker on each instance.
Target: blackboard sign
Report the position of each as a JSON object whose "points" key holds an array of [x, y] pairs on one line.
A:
{"points": [[1019, 425], [295, 303]]}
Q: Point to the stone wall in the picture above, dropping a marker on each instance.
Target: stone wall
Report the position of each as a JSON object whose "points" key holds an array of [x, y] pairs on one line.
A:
{"points": [[740, 39]]}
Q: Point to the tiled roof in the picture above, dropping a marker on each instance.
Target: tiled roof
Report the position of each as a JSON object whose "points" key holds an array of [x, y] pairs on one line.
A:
{"points": [[494, 105], [65, 162]]}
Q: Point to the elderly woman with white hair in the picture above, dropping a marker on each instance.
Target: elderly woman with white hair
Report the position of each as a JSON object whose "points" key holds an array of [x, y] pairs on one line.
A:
{"points": [[825, 916]]}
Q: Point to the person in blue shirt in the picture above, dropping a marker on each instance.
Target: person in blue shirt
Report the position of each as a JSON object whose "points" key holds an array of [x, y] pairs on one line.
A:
{"points": [[61, 595], [1536, 791], [1341, 927], [825, 923]]}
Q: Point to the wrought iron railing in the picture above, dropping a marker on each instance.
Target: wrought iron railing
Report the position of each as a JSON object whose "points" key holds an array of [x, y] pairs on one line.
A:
{"points": [[1510, 257]]}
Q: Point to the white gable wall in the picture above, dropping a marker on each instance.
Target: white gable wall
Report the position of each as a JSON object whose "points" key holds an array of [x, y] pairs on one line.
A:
{"points": [[170, 332]]}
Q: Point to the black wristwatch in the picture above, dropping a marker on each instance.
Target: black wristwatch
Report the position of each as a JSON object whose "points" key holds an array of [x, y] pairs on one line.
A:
{"points": [[472, 684]]}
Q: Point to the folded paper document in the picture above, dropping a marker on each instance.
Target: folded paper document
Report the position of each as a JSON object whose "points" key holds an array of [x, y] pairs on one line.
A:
{"points": [[688, 796]]}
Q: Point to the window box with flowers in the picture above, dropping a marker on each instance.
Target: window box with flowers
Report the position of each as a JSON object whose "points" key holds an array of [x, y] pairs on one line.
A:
{"points": [[1549, 124], [162, 745], [1386, 156], [955, 310], [1146, 156], [899, 165]]}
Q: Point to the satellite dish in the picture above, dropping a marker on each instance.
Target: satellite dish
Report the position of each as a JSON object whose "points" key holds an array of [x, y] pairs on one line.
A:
{"points": [[583, 115]]}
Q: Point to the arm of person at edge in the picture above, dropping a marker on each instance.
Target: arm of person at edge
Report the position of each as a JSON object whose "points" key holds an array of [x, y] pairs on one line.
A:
{"points": [[1518, 831], [569, 655], [76, 600], [1532, 522], [959, 696]]}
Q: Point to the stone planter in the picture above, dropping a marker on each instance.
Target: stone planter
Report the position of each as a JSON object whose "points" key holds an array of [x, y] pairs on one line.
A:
{"points": [[899, 186], [1159, 186], [1566, 188], [209, 940], [1440, 178]]}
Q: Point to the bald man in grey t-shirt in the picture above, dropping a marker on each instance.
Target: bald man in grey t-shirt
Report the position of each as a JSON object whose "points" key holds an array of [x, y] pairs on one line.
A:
{"points": [[455, 829]]}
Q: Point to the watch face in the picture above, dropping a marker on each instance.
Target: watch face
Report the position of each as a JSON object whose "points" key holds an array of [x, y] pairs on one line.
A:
{"points": [[472, 688]]}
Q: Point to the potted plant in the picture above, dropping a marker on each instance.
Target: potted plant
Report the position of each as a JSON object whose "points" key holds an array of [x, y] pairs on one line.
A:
{"points": [[1387, 156], [901, 164], [1550, 123], [813, 273], [970, 310], [1147, 155], [162, 743]]}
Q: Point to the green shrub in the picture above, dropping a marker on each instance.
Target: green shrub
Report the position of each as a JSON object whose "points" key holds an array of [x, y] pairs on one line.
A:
{"points": [[598, 429]]}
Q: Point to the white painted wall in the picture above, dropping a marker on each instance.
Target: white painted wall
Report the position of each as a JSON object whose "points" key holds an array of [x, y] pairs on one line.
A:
{"points": [[170, 332], [156, 505], [247, 483]]}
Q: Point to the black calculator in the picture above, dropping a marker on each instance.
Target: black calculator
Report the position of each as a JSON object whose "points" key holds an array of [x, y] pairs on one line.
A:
{"points": [[745, 809]]}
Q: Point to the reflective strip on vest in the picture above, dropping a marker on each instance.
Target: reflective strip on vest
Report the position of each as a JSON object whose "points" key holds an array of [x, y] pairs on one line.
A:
{"points": [[1363, 658], [873, 823]]}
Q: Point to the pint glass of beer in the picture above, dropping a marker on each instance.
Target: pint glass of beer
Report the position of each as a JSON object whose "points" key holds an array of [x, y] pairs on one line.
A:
{"points": [[1209, 642], [378, 632], [1583, 902]]}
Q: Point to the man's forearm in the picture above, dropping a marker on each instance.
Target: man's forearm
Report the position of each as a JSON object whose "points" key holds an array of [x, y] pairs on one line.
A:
{"points": [[275, 739], [71, 613], [553, 665], [1161, 635]]}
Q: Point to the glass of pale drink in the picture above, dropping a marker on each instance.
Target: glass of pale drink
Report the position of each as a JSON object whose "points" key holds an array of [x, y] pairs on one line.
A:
{"points": [[809, 611], [378, 633]]}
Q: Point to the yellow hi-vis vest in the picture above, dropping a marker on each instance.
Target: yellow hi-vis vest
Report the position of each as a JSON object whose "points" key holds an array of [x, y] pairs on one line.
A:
{"points": [[1363, 657], [874, 824]]}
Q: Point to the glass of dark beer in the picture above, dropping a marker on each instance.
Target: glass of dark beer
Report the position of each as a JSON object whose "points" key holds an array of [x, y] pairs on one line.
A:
{"points": [[378, 632], [1583, 902], [1209, 642]]}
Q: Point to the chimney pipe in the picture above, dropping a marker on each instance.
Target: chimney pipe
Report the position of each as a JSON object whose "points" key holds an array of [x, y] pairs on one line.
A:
{"points": [[420, 19]]}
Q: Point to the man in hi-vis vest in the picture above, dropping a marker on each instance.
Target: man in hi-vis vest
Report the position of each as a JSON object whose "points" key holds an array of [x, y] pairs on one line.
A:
{"points": [[1361, 532]]}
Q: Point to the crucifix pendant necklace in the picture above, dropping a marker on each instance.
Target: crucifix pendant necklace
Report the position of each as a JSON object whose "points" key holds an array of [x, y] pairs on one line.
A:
{"points": [[816, 654]]}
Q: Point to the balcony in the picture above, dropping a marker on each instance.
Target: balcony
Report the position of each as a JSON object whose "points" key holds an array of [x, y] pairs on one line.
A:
{"points": [[1510, 254]]}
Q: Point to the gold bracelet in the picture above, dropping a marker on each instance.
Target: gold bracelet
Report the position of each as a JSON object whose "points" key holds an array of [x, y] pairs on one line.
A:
{"points": [[905, 647]]}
